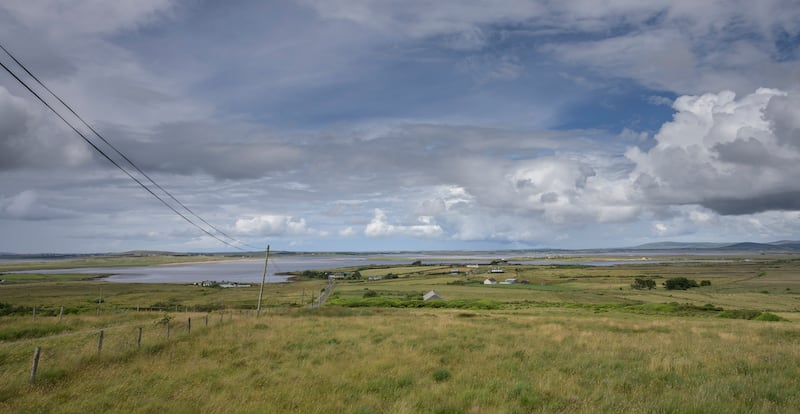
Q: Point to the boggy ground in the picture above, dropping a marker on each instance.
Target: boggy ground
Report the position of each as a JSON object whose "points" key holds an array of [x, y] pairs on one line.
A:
{"points": [[576, 339], [417, 361]]}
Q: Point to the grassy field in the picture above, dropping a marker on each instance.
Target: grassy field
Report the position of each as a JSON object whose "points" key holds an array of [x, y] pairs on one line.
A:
{"points": [[106, 261], [574, 339]]}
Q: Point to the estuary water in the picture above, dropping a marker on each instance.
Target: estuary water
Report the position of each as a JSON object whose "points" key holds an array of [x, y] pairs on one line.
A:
{"points": [[251, 270], [240, 271]]}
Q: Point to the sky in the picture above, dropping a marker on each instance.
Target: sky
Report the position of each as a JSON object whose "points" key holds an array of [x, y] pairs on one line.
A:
{"points": [[358, 125]]}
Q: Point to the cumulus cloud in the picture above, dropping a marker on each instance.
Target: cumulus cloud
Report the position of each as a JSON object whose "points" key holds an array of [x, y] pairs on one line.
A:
{"points": [[379, 227], [272, 225], [733, 156]]}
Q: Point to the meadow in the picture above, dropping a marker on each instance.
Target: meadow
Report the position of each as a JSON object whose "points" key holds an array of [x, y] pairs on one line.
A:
{"points": [[572, 339]]}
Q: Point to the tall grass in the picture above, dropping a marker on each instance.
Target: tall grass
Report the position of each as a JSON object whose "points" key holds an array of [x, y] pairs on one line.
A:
{"points": [[576, 339], [431, 360]]}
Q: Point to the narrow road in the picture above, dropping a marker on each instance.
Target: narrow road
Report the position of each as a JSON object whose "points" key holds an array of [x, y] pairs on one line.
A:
{"points": [[324, 296]]}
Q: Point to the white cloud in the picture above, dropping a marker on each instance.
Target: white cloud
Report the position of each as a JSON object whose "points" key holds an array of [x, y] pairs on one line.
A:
{"points": [[631, 135], [347, 232], [379, 227], [272, 225], [659, 100], [724, 154]]}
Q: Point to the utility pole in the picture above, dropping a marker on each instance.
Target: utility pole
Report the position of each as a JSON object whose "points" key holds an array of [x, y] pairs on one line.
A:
{"points": [[263, 280]]}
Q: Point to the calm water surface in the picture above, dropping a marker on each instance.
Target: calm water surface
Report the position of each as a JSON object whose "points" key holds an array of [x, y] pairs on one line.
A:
{"points": [[250, 271]]}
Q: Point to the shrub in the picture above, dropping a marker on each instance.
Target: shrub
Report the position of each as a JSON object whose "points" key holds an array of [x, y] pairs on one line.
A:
{"points": [[705, 283], [370, 293], [680, 283], [9, 309], [441, 375], [640, 283], [769, 317]]}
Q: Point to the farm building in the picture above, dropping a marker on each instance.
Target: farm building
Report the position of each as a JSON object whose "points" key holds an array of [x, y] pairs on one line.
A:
{"points": [[432, 295], [490, 281], [509, 281], [497, 270]]}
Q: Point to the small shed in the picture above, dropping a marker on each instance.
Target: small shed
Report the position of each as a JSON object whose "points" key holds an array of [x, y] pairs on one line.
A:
{"points": [[432, 295], [490, 281]]}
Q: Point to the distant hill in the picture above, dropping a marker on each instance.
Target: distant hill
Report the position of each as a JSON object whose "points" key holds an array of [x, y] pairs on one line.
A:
{"points": [[678, 245], [789, 246], [778, 246], [786, 242]]}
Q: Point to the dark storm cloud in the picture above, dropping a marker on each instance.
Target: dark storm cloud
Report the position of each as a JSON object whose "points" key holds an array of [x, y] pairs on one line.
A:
{"points": [[29, 138], [789, 201]]}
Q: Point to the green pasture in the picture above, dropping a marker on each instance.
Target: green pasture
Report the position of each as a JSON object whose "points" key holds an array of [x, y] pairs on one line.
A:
{"points": [[570, 339], [374, 360], [106, 261]]}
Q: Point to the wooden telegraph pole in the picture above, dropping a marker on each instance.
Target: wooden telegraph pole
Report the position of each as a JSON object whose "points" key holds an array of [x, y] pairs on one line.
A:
{"points": [[263, 280]]}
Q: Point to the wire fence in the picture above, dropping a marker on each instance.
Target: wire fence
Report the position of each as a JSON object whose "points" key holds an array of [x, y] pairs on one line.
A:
{"points": [[48, 358]]}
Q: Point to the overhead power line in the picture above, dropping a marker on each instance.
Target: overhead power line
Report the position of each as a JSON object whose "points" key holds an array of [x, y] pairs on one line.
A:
{"points": [[69, 108], [118, 152]]}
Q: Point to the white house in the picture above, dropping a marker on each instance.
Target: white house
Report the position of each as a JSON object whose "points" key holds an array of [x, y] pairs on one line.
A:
{"points": [[432, 295], [497, 270], [509, 281], [490, 281]]}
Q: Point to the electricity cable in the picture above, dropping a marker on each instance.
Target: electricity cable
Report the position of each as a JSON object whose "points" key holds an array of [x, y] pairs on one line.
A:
{"points": [[69, 108], [92, 144]]}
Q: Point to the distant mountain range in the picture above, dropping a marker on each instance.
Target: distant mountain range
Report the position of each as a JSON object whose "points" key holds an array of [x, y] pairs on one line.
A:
{"points": [[785, 246], [778, 246]]}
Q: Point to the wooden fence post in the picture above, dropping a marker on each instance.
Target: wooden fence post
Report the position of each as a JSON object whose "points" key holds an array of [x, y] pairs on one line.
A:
{"points": [[189, 326], [139, 339], [206, 320], [100, 342], [34, 312], [167, 330], [61, 314], [35, 366]]}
